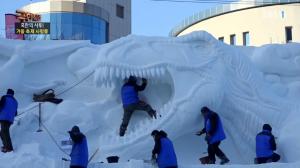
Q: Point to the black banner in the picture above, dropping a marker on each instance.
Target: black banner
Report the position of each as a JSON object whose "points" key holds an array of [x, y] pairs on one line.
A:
{"points": [[32, 28]]}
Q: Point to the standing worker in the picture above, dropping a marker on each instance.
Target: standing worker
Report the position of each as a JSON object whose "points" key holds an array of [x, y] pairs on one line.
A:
{"points": [[214, 135], [8, 111], [131, 101], [163, 151], [265, 146], [79, 154]]}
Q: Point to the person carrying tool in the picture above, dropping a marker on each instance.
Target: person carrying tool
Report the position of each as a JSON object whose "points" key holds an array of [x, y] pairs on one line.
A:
{"points": [[79, 154], [214, 135]]}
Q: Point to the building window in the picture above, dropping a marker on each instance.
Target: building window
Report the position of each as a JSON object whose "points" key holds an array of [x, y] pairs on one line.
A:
{"points": [[282, 14], [246, 39], [120, 11], [221, 39], [232, 39], [288, 34]]}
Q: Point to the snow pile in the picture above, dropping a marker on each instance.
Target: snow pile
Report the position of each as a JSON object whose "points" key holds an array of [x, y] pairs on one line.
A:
{"points": [[247, 86], [29, 156]]}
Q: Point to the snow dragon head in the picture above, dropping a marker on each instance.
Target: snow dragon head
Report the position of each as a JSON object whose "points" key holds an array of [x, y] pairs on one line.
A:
{"points": [[180, 74], [185, 74]]}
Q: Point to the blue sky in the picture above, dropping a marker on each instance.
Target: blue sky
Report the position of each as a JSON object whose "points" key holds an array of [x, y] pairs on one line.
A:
{"points": [[149, 18], [158, 18]]}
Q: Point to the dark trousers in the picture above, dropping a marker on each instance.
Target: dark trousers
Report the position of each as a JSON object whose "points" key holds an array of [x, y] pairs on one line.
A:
{"points": [[76, 167], [5, 136], [172, 167], [213, 150], [274, 158], [128, 110]]}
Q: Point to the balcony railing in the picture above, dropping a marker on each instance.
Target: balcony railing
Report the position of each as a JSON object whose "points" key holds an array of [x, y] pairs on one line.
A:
{"points": [[202, 15]]}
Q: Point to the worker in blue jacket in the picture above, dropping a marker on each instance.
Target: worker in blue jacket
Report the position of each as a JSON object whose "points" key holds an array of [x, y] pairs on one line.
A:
{"points": [[8, 111], [265, 146], [79, 154], [163, 151], [131, 101], [214, 135]]}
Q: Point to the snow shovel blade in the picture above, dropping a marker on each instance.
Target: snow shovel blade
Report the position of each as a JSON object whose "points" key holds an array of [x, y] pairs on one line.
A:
{"points": [[204, 160], [151, 162]]}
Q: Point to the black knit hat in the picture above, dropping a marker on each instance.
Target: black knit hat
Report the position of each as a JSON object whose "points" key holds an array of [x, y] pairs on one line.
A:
{"points": [[163, 133], [267, 127], [154, 132], [10, 92], [75, 129], [204, 109], [132, 79]]}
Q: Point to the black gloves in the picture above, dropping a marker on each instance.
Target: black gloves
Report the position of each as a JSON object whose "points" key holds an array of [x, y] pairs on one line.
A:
{"points": [[153, 157], [207, 137], [199, 133], [144, 80]]}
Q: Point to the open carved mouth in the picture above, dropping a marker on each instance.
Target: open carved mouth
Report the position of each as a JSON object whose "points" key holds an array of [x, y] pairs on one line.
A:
{"points": [[158, 93]]}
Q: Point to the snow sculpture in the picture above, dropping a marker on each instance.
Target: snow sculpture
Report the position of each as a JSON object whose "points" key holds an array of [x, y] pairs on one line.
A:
{"points": [[189, 72], [184, 74]]}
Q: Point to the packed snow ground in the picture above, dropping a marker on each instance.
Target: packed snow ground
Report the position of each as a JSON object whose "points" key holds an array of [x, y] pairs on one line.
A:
{"points": [[247, 86]]}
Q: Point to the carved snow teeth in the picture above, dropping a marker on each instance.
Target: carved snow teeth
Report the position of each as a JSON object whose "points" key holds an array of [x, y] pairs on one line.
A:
{"points": [[144, 73], [127, 74], [111, 73], [140, 73], [157, 72], [108, 73], [118, 73]]}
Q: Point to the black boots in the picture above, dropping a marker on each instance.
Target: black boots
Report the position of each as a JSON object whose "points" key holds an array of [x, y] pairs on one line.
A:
{"points": [[153, 114], [122, 131], [224, 160]]}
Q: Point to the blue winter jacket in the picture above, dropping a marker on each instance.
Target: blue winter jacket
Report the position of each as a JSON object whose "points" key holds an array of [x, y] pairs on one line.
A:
{"points": [[265, 144], [8, 108], [79, 154], [166, 156], [214, 127], [129, 95]]}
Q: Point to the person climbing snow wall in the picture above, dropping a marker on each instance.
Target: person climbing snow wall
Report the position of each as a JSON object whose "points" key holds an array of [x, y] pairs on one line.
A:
{"points": [[131, 101]]}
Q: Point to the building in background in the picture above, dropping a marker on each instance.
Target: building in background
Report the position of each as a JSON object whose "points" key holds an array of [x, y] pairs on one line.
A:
{"points": [[248, 22], [99, 21], [10, 21]]}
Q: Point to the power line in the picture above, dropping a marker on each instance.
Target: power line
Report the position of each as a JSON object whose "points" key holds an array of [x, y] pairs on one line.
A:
{"points": [[191, 1], [77, 83], [222, 2]]}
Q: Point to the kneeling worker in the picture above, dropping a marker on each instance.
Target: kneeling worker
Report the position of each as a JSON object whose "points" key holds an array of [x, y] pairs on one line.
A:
{"points": [[265, 146], [163, 151]]}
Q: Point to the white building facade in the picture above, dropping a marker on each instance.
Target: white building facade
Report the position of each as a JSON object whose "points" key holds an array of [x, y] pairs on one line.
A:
{"points": [[245, 23]]}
